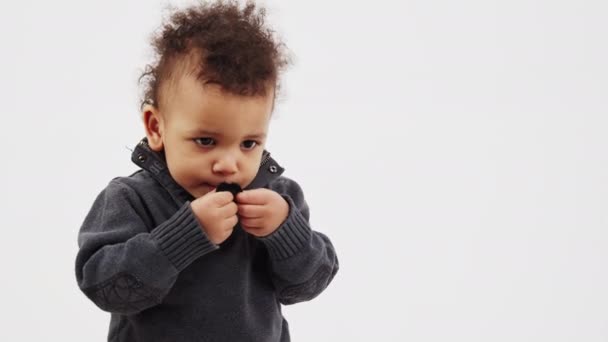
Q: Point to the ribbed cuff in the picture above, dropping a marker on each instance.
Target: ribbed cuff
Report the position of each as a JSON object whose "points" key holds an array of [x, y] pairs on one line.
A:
{"points": [[290, 237], [182, 239]]}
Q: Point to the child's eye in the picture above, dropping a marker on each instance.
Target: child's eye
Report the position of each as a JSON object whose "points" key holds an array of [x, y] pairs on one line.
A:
{"points": [[249, 144], [206, 142]]}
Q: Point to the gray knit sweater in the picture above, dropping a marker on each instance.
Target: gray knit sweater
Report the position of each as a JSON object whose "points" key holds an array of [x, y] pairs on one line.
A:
{"points": [[145, 259]]}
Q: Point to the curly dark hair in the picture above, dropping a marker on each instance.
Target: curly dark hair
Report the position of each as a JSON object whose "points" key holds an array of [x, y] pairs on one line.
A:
{"points": [[221, 43]]}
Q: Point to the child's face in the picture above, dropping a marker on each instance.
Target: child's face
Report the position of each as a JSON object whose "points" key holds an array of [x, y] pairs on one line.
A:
{"points": [[209, 136]]}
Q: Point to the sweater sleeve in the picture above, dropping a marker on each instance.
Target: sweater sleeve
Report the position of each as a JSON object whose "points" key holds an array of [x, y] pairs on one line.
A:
{"points": [[303, 262], [125, 266]]}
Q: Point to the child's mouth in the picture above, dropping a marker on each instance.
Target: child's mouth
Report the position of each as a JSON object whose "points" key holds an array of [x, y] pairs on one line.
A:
{"points": [[234, 188]]}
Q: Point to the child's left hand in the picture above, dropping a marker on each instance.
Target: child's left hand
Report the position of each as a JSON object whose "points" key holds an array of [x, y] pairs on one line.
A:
{"points": [[261, 211]]}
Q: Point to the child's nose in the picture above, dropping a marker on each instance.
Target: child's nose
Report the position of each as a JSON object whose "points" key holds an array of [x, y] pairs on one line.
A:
{"points": [[226, 165]]}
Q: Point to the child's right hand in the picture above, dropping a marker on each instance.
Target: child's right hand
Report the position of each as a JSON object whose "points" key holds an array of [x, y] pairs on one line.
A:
{"points": [[217, 214]]}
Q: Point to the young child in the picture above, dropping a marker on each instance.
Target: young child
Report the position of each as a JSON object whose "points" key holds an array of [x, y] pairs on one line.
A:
{"points": [[171, 258]]}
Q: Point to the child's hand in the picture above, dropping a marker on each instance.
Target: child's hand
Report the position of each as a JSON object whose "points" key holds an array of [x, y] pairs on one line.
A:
{"points": [[261, 211], [216, 212]]}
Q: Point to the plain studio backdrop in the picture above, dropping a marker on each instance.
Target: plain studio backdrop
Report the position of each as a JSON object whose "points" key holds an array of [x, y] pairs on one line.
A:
{"points": [[454, 151]]}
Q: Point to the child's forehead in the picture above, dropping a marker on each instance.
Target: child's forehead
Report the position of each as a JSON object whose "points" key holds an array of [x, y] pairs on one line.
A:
{"points": [[197, 105]]}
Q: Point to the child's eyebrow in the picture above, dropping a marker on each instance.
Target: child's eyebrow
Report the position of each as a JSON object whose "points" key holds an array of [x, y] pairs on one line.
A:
{"points": [[203, 132], [256, 136]]}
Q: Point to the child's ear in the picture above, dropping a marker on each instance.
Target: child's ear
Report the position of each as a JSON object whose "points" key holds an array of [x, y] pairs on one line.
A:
{"points": [[153, 123]]}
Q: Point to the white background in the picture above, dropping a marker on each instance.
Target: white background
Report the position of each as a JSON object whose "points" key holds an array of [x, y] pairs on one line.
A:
{"points": [[454, 151]]}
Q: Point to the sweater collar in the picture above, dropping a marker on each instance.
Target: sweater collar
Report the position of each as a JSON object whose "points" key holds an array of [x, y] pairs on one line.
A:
{"points": [[155, 163]]}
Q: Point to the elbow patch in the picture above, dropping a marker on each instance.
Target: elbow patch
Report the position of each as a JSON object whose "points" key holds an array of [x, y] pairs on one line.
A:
{"points": [[123, 293], [310, 289]]}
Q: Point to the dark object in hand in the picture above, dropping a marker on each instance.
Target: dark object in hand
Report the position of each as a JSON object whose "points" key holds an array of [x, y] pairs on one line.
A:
{"points": [[232, 187]]}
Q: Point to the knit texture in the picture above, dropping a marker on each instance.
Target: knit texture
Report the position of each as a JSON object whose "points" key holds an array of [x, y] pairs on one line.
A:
{"points": [[144, 257]]}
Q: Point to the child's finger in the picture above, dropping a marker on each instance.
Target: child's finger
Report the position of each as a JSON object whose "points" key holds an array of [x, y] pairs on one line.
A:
{"points": [[228, 210], [222, 198], [252, 223], [256, 196], [250, 210]]}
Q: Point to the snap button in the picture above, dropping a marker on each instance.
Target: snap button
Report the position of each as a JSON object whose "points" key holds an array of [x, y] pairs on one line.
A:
{"points": [[273, 169], [141, 157]]}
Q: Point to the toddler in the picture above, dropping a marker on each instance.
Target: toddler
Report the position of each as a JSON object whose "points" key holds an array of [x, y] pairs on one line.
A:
{"points": [[169, 256]]}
